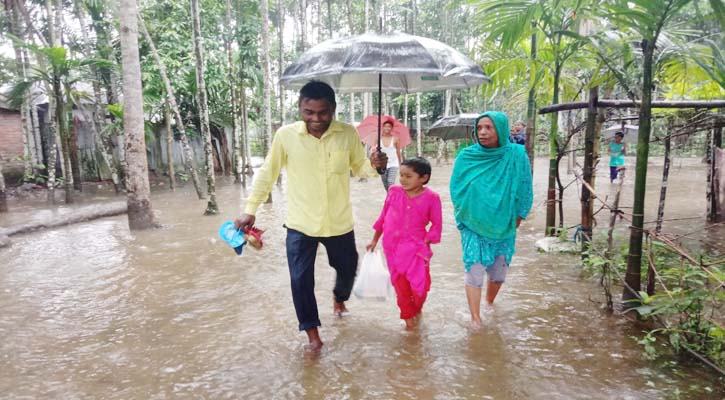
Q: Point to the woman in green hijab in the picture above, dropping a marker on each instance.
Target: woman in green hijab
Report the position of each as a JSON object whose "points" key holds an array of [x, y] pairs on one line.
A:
{"points": [[491, 189]]}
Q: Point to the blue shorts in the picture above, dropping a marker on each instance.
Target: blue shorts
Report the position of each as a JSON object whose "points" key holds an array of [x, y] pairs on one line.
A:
{"points": [[496, 273]]}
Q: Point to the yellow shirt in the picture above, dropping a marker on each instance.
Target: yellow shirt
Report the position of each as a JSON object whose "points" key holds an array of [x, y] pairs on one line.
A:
{"points": [[318, 177]]}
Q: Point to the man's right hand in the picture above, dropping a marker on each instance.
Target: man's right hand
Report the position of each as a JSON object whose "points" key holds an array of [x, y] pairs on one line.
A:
{"points": [[244, 221]]}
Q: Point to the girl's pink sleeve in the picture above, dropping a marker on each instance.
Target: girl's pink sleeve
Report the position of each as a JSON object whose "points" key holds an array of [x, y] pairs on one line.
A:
{"points": [[436, 219], [378, 225]]}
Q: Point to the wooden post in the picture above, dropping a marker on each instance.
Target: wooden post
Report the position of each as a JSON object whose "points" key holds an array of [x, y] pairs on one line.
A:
{"points": [[665, 175], [714, 213], [586, 197]]}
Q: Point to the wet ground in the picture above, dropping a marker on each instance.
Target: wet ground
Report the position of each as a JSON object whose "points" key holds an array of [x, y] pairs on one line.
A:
{"points": [[94, 311]]}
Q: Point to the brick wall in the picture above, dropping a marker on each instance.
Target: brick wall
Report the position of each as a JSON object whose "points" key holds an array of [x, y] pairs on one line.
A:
{"points": [[11, 141]]}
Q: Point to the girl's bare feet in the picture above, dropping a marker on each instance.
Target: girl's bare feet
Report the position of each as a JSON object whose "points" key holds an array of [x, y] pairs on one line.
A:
{"points": [[339, 308], [410, 324]]}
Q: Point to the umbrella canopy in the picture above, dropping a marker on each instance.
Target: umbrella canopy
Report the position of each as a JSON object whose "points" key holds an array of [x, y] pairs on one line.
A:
{"points": [[457, 126], [630, 133], [401, 62], [368, 130], [407, 64]]}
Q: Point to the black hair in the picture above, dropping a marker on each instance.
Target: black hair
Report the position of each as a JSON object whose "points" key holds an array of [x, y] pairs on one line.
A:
{"points": [[420, 165], [316, 90], [388, 122], [620, 134]]}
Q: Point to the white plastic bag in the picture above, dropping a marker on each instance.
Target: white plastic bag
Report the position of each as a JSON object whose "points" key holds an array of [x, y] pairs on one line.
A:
{"points": [[373, 278]]}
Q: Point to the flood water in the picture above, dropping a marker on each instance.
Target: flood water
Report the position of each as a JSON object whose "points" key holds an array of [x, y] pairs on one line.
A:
{"points": [[94, 311]]}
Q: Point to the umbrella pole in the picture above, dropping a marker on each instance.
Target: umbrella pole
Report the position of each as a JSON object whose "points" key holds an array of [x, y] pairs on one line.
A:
{"points": [[380, 117]]}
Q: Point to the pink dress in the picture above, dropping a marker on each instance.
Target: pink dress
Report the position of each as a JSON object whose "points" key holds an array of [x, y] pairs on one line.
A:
{"points": [[403, 222]]}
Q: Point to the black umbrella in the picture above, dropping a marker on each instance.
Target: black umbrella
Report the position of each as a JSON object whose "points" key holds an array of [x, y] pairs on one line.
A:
{"points": [[401, 62], [457, 126]]}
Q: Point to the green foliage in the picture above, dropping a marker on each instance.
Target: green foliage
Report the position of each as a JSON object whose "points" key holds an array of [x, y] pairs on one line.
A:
{"points": [[688, 300]]}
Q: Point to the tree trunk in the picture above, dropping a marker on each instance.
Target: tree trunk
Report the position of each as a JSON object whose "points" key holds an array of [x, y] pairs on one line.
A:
{"points": [[246, 152], [280, 38], [665, 176], [267, 102], [350, 22], [62, 136], [3, 192], [30, 159], [571, 151], [140, 213], [587, 203], [72, 173], [53, 125], [418, 130], [36, 133], [237, 163], [169, 147], [189, 159], [634, 259], [714, 183], [52, 149], [352, 108], [329, 19], [211, 207], [75, 162], [405, 118], [302, 19], [553, 150], [366, 23], [104, 149], [531, 104]]}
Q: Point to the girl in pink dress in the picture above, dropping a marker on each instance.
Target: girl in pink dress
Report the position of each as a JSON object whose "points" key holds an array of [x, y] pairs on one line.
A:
{"points": [[409, 208]]}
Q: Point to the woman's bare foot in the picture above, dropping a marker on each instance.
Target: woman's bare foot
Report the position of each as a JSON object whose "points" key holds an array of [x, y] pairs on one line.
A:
{"points": [[475, 324], [339, 308], [410, 324]]}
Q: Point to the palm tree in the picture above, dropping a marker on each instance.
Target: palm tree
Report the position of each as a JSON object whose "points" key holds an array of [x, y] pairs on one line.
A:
{"points": [[140, 214]]}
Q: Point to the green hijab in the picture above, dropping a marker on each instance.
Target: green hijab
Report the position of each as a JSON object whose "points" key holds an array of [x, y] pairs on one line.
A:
{"points": [[485, 181]]}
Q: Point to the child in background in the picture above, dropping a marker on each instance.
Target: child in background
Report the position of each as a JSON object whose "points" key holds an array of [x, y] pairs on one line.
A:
{"points": [[409, 209], [617, 151]]}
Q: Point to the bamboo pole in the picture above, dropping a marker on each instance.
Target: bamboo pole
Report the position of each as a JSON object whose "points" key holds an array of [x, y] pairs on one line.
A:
{"points": [[586, 199], [633, 104]]}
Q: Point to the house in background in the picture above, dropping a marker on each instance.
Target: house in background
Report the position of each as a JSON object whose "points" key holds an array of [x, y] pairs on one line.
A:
{"points": [[11, 142]]}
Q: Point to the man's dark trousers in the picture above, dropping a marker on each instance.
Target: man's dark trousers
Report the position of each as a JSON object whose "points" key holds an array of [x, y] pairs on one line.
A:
{"points": [[301, 252]]}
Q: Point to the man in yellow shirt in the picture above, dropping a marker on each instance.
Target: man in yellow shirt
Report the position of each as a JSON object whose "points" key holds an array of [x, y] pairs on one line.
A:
{"points": [[318, 154]]}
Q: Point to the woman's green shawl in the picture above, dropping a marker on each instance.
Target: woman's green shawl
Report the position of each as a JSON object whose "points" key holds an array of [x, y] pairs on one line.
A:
{"points": [[485, 181]]}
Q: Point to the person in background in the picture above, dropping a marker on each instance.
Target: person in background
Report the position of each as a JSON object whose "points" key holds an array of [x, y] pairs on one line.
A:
{"points": [[391, 147], [617, 151], [518, 135], [318, 154]]}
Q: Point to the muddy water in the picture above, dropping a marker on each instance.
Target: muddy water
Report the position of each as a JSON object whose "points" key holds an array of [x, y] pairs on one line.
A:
{"points": [[94, 311]]}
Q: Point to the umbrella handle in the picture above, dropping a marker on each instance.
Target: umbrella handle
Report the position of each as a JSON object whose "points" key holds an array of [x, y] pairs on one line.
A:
{"points": [[380, 113]]}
